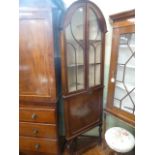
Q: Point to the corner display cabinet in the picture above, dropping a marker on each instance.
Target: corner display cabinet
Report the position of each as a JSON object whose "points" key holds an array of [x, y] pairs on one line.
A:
{"points": [[38, 81], [82, 63], [121, 89]]}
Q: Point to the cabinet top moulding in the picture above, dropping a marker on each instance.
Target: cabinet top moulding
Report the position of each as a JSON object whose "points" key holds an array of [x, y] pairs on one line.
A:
{"points": [[123, 15], [122, 19]]}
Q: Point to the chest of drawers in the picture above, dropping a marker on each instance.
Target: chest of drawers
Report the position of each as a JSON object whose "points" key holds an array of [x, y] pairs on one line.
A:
{"points": [[38, 130]]}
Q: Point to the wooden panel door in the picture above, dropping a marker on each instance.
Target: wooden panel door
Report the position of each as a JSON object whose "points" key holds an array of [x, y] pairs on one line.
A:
{"points": [[83, 111], [36, 63]]}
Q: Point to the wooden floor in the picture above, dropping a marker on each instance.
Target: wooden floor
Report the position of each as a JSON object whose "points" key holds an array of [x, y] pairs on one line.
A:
{"points": [[95, 151], [98, 150], [94, 148]]}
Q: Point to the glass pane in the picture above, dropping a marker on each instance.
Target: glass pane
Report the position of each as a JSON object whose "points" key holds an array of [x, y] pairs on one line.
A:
{"points": [[80, 79], [97, 74], [117, 103], [91, 75], [120, 91], [95, 45], [127, 105], [129, 79], [91, 55], [125, 77], [124, 54], [74, 34], [120, 72], [98, 52], [71, 79]]}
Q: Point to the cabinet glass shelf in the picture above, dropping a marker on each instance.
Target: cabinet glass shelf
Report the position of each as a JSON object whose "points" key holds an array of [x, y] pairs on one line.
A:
{"points": [[75, 65], [127, 66], [126, 46]]}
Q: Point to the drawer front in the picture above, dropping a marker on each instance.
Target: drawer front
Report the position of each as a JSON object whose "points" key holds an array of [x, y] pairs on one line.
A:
{"points": [[37, 130], [37, 115], [38, 145]]}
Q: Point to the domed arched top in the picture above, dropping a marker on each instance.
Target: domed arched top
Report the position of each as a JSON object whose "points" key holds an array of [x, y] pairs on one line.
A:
{"points": [[86, 4]]}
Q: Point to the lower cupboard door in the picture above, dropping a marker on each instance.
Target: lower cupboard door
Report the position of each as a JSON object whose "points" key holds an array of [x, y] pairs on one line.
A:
{"points": [[82, 112]]}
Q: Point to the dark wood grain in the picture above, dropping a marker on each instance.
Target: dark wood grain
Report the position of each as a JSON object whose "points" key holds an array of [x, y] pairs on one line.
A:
{"points": [[45, 145], [82, 112], [123, 15], [40, 130], [42, 115], [37, 74]]}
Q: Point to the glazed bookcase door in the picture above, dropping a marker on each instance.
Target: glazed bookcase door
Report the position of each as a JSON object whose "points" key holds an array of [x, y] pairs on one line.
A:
{"points": [[121, 88], [124, 96], [74, 34], [95, 47]]}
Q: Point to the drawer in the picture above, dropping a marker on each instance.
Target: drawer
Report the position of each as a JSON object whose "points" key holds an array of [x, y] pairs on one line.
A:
{"points": [[38, 145], [37, 115], [37, 130]]}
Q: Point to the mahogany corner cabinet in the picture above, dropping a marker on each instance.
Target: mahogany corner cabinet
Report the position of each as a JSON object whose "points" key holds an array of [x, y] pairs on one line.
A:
{"points": [[82, 68]]}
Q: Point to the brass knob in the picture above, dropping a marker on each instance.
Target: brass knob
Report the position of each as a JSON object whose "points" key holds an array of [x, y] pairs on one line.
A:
{"points": [[35, 131], [37, 146], [34, 116]]}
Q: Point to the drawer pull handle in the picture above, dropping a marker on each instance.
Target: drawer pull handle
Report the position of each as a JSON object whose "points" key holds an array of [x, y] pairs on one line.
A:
{"points": [[34, 116], [37, 146], [35, 131]]}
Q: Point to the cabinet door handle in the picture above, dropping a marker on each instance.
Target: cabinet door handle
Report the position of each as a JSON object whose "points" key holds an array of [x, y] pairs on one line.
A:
{"points": [[34, 116], [37, 146], [35, 131]]}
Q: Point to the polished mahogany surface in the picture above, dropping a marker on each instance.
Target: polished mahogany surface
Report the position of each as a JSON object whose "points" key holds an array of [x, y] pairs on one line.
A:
{"points": [[83, 111], [38, 115], [38, 144], [41, 130], [36, 58]]}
